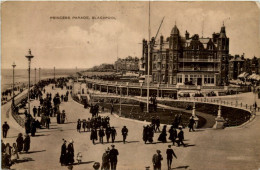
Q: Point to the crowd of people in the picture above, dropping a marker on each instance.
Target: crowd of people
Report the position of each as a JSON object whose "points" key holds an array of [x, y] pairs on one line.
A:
{"points": [[10, 154]]}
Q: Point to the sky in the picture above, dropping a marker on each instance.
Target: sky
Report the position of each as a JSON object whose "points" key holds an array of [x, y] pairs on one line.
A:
{"points": [[83, 43]]}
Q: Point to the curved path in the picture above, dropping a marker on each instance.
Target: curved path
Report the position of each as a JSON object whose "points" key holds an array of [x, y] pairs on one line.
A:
{"points": [[231, 148]]}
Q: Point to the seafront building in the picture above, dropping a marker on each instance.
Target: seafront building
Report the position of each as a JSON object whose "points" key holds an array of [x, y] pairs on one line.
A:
{"points": [[191, 60], [127, 64]]}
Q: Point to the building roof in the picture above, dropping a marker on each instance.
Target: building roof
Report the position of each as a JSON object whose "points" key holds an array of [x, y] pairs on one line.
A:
{"points": [[175, 30]]}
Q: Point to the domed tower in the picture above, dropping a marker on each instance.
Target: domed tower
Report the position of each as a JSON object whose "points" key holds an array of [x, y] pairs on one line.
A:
{"points": [[174, 53], [223, 53]]}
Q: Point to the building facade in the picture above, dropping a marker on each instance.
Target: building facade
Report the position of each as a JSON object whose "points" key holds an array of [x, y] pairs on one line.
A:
{"points": [[236, 66], [189, 60], [127, 64]]}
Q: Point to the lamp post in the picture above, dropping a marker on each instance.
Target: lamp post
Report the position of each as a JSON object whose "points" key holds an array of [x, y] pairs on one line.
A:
{"points": [[120, 108], [39, 74], [196, 119], [54, 74], [29, 57], [13, 83], [35, 76]]}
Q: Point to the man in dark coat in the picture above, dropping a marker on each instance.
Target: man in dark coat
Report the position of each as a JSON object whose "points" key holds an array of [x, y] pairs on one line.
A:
{"points": [[108, 132], [101, 134], [113, 157], [5, 128], [33, 127], [170, 153], [173, 134], [48, 121], [106, 160], [39, 111], [93, 135], [63, 155], [181, 137], [113, 134], [19, 142], [157, 158], [26, 143], [34, 111], [157, 122], [191, 124], [124, 133], [70, 153]]}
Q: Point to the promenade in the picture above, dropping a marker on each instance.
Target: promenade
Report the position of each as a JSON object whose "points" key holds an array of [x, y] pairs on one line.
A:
{"points": [[231, 148]]}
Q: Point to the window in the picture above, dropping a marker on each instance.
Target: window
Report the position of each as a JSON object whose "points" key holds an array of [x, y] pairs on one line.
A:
{"points": [[186, 78], [154, 66], [209, 79], [179, 78]]}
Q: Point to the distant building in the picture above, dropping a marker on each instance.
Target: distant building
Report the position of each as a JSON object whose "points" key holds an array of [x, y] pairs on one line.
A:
{"points": [[236, 66], [188, 60], [127, 64]]}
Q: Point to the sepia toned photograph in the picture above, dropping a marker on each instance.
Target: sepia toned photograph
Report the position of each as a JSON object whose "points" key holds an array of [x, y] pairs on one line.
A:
{"points": [[121, 85]]}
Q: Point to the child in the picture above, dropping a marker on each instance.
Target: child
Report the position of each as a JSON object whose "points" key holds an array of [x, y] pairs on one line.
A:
{"points": [[79, 157]]}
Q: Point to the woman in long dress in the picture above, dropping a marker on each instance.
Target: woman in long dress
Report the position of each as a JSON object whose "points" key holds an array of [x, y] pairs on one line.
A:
{"points": [[63, 156], [163, 135], [27, 142], [14, 152], [19, 142]]}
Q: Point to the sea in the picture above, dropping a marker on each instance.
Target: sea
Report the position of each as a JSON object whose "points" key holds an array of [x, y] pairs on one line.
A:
{"points": [[21, 76]]}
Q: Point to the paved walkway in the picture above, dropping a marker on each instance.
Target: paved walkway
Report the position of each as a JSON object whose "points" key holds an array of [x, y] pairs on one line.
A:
{"points": [[231, 148]]}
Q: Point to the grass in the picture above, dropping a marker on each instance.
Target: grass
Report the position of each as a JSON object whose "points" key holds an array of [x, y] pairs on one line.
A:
{"points": [[234, 116]]}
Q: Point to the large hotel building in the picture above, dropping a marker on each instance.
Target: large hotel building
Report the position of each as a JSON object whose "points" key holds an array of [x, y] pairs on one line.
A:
{"points": [[190, 60]]}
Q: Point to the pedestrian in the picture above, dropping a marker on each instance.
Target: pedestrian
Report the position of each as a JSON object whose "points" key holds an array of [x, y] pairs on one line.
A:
{"points": [[124, 133], [63, 155], [5, 129], [162, 136], [113, 157], [170, 153], [173, 134], [79, 157], [78, 125], [70, 153], [39, 111], [93, 135], [19, 142], [48, 121], [112, 108], [101, 134], [157, 123], [34, 111], [84, 124], [191, 124], [33, 127], [106, 160], [113, 134], [26, 143], [8, 151], [14, 152], [181, 137], [3, 146], [145, 131], [157, 158], [108, 132]]}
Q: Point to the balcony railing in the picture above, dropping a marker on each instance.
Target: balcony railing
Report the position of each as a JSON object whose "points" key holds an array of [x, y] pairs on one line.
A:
{"points": [[198, 69], [197, 60]]}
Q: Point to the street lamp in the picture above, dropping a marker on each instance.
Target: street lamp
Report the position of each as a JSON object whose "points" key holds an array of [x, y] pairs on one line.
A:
{"points": [[120, 108], [13, 83], [29, 57], [35, 76], [39, 74]]}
